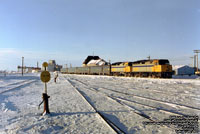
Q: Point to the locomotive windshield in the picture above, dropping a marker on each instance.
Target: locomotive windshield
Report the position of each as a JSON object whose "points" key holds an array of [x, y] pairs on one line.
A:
{"points": [[163, 62]]}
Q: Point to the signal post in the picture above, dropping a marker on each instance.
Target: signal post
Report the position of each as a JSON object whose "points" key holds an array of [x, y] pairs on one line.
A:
{"points": [[45, 77]]}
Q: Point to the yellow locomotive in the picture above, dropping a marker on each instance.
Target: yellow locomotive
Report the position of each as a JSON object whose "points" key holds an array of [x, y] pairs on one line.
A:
{"points": [[156, 68]]}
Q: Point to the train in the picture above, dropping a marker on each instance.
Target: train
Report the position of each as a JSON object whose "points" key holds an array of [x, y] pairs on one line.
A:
{"points": [[154, 68]]}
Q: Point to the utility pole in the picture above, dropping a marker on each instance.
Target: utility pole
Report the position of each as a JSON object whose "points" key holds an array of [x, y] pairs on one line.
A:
{"points": [[194, 61], [109, 62], [197, 51], [22, 66], [110, 67], [149, 57]]}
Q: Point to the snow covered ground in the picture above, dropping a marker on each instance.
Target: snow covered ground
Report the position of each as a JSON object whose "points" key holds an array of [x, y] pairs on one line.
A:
{"points": [[88, 104]]}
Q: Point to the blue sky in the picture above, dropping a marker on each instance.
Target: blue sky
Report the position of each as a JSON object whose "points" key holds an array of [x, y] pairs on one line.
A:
{"points": [[117, 30]]}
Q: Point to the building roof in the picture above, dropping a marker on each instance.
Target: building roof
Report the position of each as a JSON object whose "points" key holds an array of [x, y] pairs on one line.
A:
{"points": [[89, 58], [98, 62], [174, 67]]}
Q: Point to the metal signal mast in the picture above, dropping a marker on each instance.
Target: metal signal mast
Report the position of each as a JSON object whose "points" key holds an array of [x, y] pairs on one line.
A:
{"points": [[197, 51]]}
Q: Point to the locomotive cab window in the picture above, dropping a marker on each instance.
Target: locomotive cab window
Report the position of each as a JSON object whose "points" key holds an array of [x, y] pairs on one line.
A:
{"points": [[130, 64], [163, 62]]}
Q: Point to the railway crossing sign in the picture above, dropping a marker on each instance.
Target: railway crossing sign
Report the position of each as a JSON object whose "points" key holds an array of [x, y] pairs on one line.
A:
{"points": [[45, 76], [45, 64]]}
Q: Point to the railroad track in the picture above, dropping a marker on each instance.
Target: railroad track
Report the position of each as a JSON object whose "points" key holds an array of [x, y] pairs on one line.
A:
{"points": [[144, 98], [154, 90], [111, 124], [20, 84], [120, 101], [155, 100], [13, 83]]}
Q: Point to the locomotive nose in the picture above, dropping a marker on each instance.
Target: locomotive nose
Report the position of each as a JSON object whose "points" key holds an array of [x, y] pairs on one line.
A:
{"points": [[168, 68]]}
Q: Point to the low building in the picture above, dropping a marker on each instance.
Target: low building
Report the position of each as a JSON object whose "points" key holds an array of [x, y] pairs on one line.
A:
{"points": [[28, 69], [52, 66], [183, 70]]}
